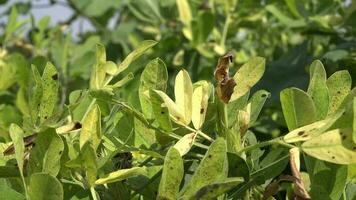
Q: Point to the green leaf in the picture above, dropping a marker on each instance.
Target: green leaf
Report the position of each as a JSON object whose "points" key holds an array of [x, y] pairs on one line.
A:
{"points": [[202, 27], [293, 23], [120, 175], [309, 131], [257, 101], [200, 99], [354, 122], [8, 71], [46, 155], [214, 190], [160, 111], [50, 92], [327, 180], [91, 128], [98, 73], [183, 91], [211, 168], [35, 95], [154, 77], [298, 108], [334, 146], [237, 166], [339, 85], [318, 89], [142, 48], [8, 193], [247, 76], [16, 134], [172, 175], [44, 186], [87, 161], [185, 143], [292, 5]]}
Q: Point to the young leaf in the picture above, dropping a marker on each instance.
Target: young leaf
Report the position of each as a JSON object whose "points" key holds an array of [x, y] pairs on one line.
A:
{"points": [[309, 131], [200, 104], [185, 143], [247, 76], [44, 186], [211, 168], [334, 146], [154, 77], [183, 91], [143, 47], [214, 190], [339, 85], [172, 175], [91, 128], [318, 89], [298, 108], [121, 174], [46, 155], [50, 92]]}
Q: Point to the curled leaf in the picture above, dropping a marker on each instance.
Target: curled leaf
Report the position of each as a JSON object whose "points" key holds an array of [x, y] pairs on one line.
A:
{"points": [[185, 143]]}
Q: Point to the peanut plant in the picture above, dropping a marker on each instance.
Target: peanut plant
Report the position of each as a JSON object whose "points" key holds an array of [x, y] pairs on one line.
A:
{"points": [[198, 145]]}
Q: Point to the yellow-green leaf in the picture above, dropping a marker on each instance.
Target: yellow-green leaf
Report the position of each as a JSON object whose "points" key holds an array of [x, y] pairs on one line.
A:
{"points": [[173, 171], [91, 128], [247, 76], [200, 104], [50, 92], [185, 16], [16, 134], [143, 47], [121, 174], [183, 91], [334, 146], [185, 143], [318, 89], [339, 85], [174, 111], [309, 131]]}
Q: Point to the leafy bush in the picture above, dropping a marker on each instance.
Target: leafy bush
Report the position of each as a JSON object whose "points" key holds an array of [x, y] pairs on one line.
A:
{"points": [[79, 121]]}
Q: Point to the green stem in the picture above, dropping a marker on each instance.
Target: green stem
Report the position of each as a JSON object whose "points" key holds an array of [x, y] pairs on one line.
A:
{"points": [[93, 193], [225, 30], [267, 143]]}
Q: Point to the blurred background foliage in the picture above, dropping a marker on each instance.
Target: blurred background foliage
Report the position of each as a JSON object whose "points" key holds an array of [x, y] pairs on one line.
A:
{"points": [[192, 34]]}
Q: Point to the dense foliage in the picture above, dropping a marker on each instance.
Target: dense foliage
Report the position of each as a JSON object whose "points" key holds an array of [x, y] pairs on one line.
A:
{"points": [[179, 99]]}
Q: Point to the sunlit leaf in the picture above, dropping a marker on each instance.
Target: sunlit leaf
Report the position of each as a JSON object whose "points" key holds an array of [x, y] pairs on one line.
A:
{"points": [[172, 175], [120, 175], [200, 103], [142, 48], [50, 87], [334, 146], [183, 91], [91, 128], [309, 131], [247, 76], [339, 85], [185, 143]]}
